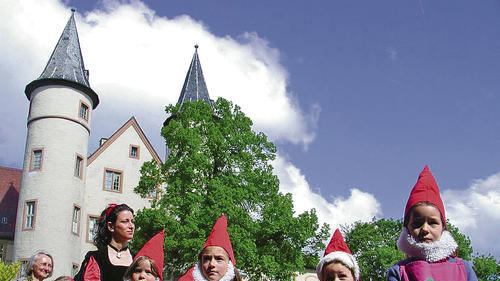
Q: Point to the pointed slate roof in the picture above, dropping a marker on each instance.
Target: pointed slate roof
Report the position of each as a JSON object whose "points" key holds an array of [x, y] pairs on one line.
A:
{"points": [[65, 66], [194, 88]]}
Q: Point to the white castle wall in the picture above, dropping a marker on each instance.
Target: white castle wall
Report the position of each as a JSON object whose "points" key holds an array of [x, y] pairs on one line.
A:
{"points": [[54, 126]]}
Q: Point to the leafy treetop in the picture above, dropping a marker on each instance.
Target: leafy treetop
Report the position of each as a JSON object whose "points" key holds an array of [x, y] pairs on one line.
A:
{"points": [[217, 164]]}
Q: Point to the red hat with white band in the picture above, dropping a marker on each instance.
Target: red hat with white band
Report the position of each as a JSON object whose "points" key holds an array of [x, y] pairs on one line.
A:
{"points": [[338, 251]]}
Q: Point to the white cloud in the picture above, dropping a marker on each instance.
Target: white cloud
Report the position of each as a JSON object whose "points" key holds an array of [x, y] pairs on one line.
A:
{"points": [[392, 53], [138, 62], [359, 206], [476, 211]]}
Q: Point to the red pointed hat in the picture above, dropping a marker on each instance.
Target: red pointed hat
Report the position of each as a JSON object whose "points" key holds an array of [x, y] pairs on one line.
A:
{"points": [[188, 276], [153, 249], [425, 190], [220, 237], [337, 243], [337, 250]]}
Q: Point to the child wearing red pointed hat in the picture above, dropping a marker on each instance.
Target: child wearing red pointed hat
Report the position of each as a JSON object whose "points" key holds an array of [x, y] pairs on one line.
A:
{"points": [[142, 269], [338, 263], [430, 247], [216, 260], [148, 263]]}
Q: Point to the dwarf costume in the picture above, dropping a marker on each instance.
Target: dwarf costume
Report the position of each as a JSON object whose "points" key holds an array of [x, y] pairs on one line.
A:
{"points": [[218, 237], [153, 249], [338, 251], [429, 261], [96, 265]]}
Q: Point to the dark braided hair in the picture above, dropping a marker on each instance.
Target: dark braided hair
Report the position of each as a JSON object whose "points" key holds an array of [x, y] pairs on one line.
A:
{"points": [[103, 235]]}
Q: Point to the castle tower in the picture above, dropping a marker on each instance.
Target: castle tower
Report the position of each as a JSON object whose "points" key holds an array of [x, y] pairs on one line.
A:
{"points": [[194, 88], [53, 179]]}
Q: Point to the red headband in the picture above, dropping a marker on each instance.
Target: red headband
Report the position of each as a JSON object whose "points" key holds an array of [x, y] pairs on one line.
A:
{"points": [[110, 207]]}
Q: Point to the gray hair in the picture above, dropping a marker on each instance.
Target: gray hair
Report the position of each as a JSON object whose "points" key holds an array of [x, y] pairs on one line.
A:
{"points": [[33, 259]]}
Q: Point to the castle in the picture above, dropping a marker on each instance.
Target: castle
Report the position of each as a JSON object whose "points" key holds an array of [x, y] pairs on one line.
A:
{"points": [[53, 203], [62, 190]]}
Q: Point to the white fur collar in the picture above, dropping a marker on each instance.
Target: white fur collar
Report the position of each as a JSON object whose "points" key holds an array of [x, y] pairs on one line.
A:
{"points": [[431, 252], [198, 276]]}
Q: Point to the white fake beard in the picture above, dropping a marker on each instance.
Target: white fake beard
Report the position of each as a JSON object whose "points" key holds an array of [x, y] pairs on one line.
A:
{"points": [[198, 275], [428, 251]]}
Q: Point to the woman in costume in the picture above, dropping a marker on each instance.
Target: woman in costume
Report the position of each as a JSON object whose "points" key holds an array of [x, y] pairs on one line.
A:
{"points": [[112, 258]]}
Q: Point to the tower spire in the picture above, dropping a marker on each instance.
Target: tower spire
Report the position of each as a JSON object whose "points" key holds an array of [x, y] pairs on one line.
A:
{"points": [[194, 88], [65, 66]]}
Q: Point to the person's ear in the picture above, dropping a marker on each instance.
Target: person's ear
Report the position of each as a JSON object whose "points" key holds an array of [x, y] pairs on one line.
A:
{"points": [[111, 227]]}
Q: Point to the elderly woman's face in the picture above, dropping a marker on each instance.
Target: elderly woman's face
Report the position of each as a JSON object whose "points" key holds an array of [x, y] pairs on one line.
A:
{"points": [[214, 261], [42, 267]]}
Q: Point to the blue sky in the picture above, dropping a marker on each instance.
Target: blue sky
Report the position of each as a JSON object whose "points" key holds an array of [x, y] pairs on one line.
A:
{"points": [[401, 84], [383, 88]]}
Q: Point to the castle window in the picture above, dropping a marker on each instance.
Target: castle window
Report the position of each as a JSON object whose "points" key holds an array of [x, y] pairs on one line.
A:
{"points": [[134, 151], [29, 215], [112, 180], [84, 111], [92, 222], [79, 166], [75, 221], [36, 159], [4, 220]]}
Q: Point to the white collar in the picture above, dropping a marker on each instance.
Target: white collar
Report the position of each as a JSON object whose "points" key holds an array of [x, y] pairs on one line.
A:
{"points": [[198, 276], [431, 252]]}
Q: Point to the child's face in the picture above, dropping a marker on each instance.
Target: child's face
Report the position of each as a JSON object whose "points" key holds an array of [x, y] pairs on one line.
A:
{"points": [[143, 272], [425, 224], [214, 261], [337, 271]]}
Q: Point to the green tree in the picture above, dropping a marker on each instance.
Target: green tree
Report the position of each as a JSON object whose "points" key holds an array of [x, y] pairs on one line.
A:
{"points": [[9, 271], [375, 245], [464, 249], [486, 267], [217, 164]]}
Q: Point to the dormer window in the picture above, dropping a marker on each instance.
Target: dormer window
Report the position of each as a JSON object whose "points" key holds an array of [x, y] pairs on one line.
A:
{"points": [[84, 111], [134, 151]]}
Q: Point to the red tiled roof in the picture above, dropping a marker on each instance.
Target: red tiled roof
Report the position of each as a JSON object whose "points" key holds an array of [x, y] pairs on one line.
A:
{"points": [[10, 183], [8, 175]]}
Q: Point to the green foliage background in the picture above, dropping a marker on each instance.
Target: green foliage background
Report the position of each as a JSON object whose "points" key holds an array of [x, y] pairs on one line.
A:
{"points": [[218, 165], [9, 271], [486, 267]]}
